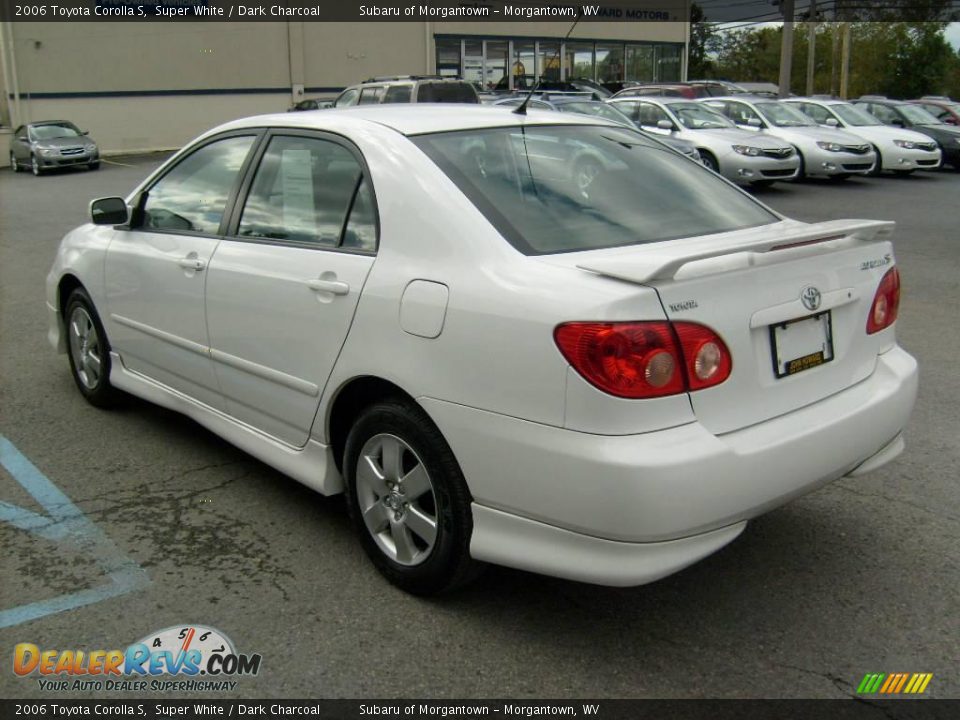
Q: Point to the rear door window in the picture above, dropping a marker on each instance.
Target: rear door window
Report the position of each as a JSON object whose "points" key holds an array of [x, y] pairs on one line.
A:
{"points": [[446, 92], [370, 95], [398, 94], [302, 192]]}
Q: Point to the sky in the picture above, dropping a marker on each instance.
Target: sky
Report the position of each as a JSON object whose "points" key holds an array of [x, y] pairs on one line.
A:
{"points": [[953, 35]]}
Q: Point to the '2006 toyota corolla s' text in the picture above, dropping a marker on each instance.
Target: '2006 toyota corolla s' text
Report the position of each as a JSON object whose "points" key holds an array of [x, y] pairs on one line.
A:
{"points": [[428, 309]]}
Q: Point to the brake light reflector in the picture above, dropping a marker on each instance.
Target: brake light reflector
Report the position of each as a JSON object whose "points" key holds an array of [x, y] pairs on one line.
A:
{"points": [[644, 359], [886, 303]]}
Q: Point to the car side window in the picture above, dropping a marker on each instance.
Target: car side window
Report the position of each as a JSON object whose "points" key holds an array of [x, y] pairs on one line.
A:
{"points": [[884, 114], [398, 94], [361, 230], [650, 115], [816, 112], [302, 192], [738, 112], [630, 109], [370, 95], [347, 97], [193, 195]]}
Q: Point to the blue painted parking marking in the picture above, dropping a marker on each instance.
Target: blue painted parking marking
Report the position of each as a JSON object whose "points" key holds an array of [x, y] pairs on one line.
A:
{"points": [[64, 522]]}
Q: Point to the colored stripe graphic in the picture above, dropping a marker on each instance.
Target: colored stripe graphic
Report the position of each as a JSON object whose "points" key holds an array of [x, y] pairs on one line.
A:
{"points": [[894, 683]]}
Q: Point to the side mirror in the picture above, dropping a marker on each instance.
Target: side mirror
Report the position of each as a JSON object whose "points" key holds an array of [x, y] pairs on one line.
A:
{"points": [[109, 211], [85, 132], [665, 125], [833, 122], [754, 123], [897, 122]]}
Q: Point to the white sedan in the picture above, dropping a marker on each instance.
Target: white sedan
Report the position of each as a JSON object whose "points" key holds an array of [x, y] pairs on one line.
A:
{"points": [[423, 307], [898, 150], [824, 152]]}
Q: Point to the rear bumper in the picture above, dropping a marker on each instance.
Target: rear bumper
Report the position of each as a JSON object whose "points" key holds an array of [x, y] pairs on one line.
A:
{"points": [[681, 483]]}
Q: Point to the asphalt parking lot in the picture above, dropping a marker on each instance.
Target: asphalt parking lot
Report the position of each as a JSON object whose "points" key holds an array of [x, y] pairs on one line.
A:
{"points": [[859, 577]]}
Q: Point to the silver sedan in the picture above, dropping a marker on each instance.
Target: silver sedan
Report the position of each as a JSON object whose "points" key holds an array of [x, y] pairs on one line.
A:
{"points": [[824, 152], [739, 155], [41, 146]]}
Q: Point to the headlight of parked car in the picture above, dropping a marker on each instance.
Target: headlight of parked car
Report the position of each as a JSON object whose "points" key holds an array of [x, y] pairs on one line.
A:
{"points": [[831, 146], [47, 151], [89, 147], [905, 144], [748, 150]]}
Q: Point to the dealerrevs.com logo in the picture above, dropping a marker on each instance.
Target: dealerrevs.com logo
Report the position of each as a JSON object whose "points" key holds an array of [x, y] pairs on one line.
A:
{"points": [[196, 657]]}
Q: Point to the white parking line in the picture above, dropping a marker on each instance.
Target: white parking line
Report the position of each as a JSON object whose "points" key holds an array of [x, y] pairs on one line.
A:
{"points": [[114, 162]]}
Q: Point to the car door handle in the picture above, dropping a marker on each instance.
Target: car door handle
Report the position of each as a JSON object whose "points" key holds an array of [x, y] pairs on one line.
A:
{"points": [[192, 263], [331, 286]]}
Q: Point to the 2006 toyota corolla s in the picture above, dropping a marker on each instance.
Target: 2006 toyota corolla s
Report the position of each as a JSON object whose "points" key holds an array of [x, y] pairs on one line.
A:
{"points": [[425, 307]]}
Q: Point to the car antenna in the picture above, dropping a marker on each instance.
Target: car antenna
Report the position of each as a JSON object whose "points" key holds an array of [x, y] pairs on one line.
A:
{"points": [[522, 107]]}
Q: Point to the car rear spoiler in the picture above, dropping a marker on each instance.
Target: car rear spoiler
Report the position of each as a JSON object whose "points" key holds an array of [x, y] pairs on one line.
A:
{"points": [[652, 264]]}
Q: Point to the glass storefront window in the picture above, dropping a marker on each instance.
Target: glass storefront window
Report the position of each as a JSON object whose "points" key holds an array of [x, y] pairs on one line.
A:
{"points": [[448, 58], [473, 63], [498, 59], [548, 60], [609, 62], [523, 67], [668, 62], [640, 64], [578, 60]]}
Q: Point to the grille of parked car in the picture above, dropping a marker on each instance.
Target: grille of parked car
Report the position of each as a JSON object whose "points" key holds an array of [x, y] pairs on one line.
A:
{"points": [[927, 145], [779, 152], [857, 149]]}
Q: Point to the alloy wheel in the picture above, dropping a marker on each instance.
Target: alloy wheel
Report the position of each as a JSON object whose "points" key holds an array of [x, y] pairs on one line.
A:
{"points": [[396, 500], [85, 348]]}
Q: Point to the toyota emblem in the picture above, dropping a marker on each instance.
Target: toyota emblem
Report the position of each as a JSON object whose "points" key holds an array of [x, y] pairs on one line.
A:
{"points": [[810, 297]]}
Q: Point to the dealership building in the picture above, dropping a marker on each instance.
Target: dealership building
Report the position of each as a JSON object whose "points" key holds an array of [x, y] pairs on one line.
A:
{"points": [[154, 85]]}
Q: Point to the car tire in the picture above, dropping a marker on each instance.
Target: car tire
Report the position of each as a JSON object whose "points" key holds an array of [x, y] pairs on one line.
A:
{"points": [[802, 170], [408, 499], [94, 165], [88, 350], [35, 166], [709, 161], [14, 166]]}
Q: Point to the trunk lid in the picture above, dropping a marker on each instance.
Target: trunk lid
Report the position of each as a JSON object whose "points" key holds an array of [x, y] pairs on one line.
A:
{"points": [[798, 291]]}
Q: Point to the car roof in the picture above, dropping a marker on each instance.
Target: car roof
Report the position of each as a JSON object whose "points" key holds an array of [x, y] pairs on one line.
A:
{"points": [[35, 123], [412, 119], [819, 101]]}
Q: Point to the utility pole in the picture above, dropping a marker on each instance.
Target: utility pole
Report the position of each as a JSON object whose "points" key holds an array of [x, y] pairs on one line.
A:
{"points": [[786, 48], [845, 64], [811, 44]]}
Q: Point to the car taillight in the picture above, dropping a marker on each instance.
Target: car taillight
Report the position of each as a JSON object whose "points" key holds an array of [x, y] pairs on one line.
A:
{"points": [[886, 303], [644, 359]]}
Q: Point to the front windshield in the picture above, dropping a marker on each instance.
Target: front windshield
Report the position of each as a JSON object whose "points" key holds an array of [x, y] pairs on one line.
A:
{"points": [[567, 188], [783, 115], [854, 116], [695, 116], [597, 109], [55, 130], [918, 116]]}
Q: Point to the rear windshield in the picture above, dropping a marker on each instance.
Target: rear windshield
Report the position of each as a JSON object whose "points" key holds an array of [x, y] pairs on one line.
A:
{"points": [[554, 189], [447, 92]]}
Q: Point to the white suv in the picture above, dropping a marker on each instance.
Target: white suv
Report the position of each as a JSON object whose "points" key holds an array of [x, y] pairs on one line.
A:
{"points": [[408, 89]]}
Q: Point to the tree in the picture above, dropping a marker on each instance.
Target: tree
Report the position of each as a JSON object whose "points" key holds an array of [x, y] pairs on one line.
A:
{"points": [[703, 37]]}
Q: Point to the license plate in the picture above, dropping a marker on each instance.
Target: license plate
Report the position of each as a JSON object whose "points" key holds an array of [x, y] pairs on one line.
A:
{"points": [[801, 344]]}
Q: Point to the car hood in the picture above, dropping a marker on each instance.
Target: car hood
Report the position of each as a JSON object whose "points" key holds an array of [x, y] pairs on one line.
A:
{"points": [[737, 137], [62, 142], [939, 132], [817, 133], [887, 132]]}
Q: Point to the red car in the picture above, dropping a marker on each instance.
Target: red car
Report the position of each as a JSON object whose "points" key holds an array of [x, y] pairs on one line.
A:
{"points": [[943, 109]]}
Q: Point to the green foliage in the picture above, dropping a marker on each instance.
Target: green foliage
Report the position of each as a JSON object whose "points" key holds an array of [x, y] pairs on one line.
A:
{"points": [[896, 59]]}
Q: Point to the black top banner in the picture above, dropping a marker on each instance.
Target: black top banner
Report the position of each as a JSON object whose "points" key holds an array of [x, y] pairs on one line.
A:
{"points": [[853, 709], [752, 11], [351, 11]]}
